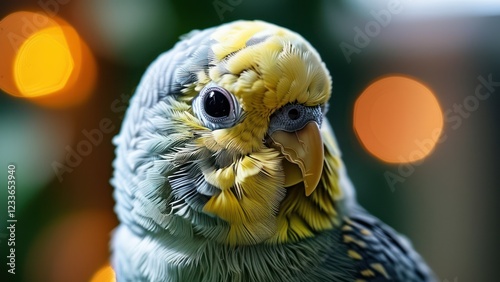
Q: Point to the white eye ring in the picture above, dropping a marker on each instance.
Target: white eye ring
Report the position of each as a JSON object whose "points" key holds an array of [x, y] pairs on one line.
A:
{"points": [[216, 107]]}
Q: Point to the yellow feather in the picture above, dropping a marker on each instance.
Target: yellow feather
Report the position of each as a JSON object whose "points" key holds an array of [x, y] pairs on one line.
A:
{"points": [[231, 38], [223, 178], [226, 206], [247, 167]]}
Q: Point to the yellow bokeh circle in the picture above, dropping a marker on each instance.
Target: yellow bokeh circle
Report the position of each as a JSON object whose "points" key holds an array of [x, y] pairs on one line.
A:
{"points": [[44, 60]]}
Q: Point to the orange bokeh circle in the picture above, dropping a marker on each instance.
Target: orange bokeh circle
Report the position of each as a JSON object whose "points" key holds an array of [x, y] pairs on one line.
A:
{"points": [[398, 119]]}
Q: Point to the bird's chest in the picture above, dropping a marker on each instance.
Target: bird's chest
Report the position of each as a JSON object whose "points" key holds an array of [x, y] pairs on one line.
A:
{"points": [[175, 259]]}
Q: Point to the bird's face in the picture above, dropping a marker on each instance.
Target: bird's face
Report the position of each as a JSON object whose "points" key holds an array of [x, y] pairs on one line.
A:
{"points": [[265, 87], [245, 153]]}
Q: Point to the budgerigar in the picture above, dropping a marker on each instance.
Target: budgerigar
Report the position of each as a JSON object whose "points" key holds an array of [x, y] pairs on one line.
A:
{"points": [[227, 170]]}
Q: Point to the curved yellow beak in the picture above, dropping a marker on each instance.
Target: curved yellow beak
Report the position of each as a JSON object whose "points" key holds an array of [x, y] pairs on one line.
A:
{"points": [[303, 151]]}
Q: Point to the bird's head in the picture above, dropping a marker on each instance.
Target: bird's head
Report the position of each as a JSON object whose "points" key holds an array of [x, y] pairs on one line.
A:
{"points": [[226, 140]]}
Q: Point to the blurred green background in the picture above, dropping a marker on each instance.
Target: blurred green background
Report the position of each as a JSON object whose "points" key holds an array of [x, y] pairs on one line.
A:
{"points": [[447, 205]]}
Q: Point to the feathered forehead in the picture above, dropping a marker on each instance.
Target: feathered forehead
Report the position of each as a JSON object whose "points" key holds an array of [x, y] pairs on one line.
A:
{"points": [[266, 66]]}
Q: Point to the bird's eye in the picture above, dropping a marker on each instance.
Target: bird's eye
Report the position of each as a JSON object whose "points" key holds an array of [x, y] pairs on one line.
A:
{"points": [[293, 117], [216, 104], [293, 114], [216, 107]]}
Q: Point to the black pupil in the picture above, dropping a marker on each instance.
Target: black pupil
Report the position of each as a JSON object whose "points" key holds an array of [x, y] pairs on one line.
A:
{"points": [[293, 114], [217, 104]]}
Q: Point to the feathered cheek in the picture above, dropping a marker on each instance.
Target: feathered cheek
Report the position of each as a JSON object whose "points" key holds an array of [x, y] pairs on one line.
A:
{"points": [[252, 189]]}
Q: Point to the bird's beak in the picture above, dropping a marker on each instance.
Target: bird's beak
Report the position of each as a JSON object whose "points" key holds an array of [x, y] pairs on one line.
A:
{"points": [[303, 151]]}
